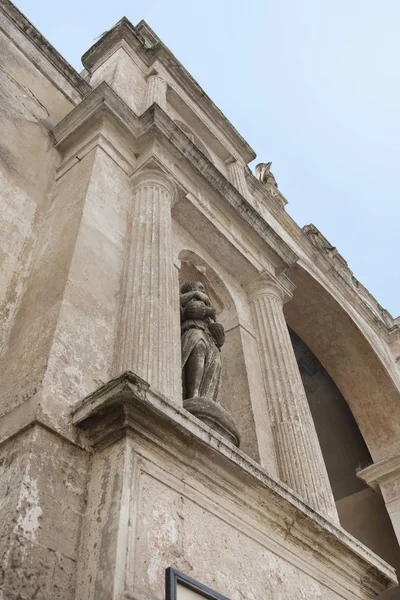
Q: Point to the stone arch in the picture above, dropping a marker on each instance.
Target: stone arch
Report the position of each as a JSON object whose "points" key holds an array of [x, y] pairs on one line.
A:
{"points": [[345, 453], [356, 365], [354, 402], [235, 390]]}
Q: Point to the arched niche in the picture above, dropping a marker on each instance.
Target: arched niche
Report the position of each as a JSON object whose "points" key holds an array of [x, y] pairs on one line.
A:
{"points": [[235, 390], [361, 510], [354, 365]]}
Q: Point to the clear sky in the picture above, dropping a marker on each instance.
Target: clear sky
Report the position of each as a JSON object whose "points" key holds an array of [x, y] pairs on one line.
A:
{"points": [[312, 85]]}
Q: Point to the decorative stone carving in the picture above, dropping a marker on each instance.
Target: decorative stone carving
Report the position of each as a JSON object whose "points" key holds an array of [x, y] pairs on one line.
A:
{"points": [[264, 174], [202, 338]]}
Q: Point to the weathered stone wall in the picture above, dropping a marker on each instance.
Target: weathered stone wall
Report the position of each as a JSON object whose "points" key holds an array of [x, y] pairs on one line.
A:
{"points": [[165, 491], [31, 103], [173, 493], [43, 487], [29, 107]]}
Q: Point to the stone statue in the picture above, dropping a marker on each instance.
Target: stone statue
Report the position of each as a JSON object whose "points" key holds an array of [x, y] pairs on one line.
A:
{"points": [[263, 174], [202, 339]]}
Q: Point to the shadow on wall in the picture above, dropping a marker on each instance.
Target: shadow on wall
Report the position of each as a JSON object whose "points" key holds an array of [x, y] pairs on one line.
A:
{"points": [[362, 511]]}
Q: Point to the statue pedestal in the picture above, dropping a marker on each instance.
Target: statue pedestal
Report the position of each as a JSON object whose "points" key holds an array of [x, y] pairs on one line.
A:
{"points": [[213, 415]]}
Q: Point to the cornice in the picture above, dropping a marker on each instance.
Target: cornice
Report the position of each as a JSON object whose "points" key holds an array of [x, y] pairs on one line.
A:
{"points": [[320, 265], [140, 39], [104, 101], [316, 261], [127, 405], [173, 133], [42, 44]]}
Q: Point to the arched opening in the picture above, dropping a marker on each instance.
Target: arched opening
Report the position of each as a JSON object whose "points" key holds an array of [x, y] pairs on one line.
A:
{"points": [[361, 510], [354, 404], [358, 365]]}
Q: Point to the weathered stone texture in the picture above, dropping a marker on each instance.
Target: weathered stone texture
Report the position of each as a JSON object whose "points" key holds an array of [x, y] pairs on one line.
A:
{"points": [[111, 186], [175, 530], [125, 76], [89, 311], [43, 483], [30, 105]]}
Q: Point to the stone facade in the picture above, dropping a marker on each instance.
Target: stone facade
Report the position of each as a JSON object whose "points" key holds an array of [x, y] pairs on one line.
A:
{"points": [[118, 185]]}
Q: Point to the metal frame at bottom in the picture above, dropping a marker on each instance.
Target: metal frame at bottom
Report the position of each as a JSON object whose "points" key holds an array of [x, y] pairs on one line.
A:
{"points": [[173, 577]]}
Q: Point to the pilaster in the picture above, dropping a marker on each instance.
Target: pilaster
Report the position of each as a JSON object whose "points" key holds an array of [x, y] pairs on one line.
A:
{"points": [[237, 178], [156, 91], [300, 461]]}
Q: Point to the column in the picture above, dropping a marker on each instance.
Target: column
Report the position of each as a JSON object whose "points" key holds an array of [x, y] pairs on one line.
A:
{"points": [[300, 461], [148, 342], [237, 178], [156, 91]]}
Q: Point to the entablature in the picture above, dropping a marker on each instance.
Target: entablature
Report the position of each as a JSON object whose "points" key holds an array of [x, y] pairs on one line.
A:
{"points": [[183, 93]]}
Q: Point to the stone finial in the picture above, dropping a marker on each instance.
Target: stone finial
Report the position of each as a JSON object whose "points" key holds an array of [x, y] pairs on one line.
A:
{"points": [[263, 174]]}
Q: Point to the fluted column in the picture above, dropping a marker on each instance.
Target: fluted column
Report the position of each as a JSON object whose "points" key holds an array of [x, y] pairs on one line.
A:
{"points": [[156, 91], [300, 461], [237, 178], [149, 337]]}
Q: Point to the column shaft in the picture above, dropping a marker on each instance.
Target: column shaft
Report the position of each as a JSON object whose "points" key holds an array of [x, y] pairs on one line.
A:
{"points": [[148, 341], [237, 178], [156, 91], [299, 455]]}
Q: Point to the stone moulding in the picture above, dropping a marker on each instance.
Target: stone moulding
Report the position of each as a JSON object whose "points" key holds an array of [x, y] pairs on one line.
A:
{"points": [[54, 57], [127, 405], [138, 39], [381, 472], [104, 102]]}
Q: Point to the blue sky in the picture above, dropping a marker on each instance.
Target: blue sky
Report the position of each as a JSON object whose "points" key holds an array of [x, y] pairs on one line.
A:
{"points": [[312, 85]]}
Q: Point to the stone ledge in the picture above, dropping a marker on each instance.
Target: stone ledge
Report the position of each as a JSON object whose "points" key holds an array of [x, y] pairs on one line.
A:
{"points": [[103, 101], [383, 471], [127, 405]]}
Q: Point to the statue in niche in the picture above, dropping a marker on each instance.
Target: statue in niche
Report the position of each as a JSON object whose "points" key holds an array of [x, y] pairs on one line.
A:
{"points": [[202, 339], [264, 174]]}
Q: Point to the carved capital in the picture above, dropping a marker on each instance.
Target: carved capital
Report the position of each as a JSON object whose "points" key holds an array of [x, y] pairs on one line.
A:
{"points": [[267, 284], [156, 177]]}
